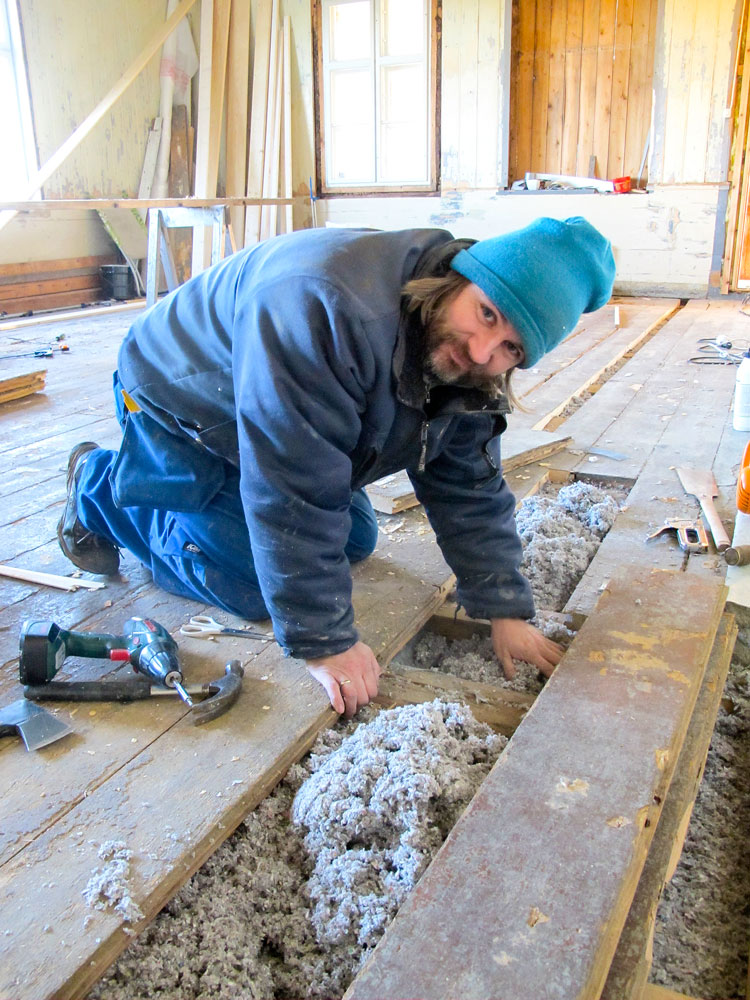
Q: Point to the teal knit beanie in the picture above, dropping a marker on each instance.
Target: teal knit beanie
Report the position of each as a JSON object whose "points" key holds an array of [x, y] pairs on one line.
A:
{"points": [[542, 277]]}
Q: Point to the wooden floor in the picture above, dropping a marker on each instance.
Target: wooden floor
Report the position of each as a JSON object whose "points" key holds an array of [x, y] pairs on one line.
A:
{"points": [[142, 773]]}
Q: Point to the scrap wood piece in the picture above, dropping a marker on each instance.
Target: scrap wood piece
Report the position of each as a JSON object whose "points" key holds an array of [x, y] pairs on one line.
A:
{"points": [[541, 869], [19, 386], [632, 962], [50, 579]]}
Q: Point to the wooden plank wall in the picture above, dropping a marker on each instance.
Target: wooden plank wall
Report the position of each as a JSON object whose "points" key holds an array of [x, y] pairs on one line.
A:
{"points": [[694, 71], [581, 85], [51, 284], [472, 118]]}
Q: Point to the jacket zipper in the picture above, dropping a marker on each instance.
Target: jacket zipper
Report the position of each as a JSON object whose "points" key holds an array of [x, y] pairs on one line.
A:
{"points": [[423, 438]]}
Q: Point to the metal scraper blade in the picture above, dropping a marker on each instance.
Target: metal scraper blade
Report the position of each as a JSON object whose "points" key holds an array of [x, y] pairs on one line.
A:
{"points": [[36, 726]]}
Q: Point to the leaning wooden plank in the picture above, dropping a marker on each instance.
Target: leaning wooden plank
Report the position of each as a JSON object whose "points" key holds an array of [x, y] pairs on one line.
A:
{"points": [[630, 967], [79, 134], [540, 870], [287, 122], [143, 774], [202, 186], [220, 48], [265, 16], [238, 68]]}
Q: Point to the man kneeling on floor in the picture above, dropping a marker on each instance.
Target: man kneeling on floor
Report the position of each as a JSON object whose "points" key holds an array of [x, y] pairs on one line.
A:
{"points": [[258, 399]]}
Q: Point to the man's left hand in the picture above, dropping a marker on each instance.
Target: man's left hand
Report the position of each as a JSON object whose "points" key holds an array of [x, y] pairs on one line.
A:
{"points": [[513, 638]]}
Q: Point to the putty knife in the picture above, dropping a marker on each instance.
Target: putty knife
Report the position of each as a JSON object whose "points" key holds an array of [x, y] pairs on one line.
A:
{"points": [[700, 483], [36, 726]]}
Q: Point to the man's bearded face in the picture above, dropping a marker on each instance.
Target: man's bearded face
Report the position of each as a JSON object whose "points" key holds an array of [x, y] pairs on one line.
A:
{"points": [[470, 342]]}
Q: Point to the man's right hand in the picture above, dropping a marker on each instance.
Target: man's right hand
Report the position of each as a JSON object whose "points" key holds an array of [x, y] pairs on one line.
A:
{"points": [[349, 678]]}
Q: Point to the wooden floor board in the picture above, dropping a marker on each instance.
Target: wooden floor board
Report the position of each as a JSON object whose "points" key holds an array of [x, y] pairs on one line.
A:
{"points": [[582, 779]]}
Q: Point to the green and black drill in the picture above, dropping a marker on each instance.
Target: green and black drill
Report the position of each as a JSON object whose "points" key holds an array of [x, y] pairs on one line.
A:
{"points": [[144, 643]]}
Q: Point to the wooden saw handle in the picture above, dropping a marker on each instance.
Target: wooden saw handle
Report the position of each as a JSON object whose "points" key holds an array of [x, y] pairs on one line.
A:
{"points": [[714, 522]]}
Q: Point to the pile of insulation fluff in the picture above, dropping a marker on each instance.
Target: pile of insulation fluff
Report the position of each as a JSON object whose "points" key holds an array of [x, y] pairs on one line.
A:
{"points": [[292, 904]]}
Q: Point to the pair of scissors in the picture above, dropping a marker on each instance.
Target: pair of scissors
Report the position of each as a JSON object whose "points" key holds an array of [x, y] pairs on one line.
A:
{"points": [[204, 627]]}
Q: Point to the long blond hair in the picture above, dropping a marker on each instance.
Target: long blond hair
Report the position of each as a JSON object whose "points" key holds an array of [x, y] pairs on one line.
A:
{"points": [[431, 296]]}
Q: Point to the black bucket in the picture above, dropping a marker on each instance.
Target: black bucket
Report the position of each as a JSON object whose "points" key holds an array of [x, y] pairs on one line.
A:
{"points": [[117, 281]]}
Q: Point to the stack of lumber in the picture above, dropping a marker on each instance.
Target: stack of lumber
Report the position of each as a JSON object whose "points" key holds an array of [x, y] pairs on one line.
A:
{"points": [[51, 284], [18, 386]]}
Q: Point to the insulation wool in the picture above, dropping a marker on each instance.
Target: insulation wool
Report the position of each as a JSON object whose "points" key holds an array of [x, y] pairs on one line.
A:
{"points": [[109, 885], [294, 901], [560, 536]]}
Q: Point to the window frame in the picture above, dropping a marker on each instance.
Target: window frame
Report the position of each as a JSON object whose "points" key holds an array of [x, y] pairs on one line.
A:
{"points": [[431, 186], [16, 57]]}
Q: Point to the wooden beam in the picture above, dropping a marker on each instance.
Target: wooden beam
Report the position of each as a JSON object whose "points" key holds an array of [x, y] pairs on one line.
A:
{"points": [[79, 134], [53, 205], [584, 776]]}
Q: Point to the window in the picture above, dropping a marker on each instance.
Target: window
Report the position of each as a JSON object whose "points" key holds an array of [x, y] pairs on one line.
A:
{"points": [[376, 94], [18, 161]]}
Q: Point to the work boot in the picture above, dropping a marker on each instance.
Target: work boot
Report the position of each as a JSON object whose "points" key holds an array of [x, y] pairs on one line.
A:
{"points": [[85, 550]]}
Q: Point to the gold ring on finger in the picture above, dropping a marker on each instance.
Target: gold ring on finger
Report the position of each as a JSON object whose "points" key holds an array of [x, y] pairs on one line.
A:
{"points": [[346, 680]]}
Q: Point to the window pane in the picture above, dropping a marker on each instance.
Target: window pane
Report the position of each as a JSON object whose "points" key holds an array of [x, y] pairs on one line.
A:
{"points": [[402, 27], [351, 97], [402, 155], [352, 159], [350, 31], [402, 94], [403, 126], [13, 173], [352, 156]]}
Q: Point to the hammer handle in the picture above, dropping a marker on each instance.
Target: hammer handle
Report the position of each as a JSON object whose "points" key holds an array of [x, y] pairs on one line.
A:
{"points": [[137, 689]]}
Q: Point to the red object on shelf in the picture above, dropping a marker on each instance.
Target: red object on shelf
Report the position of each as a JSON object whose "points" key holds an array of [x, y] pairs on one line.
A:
{"points": [[621, 185]]}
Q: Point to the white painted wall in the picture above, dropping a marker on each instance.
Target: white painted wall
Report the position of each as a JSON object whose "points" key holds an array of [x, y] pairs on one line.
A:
{"points": [[662, 240]]}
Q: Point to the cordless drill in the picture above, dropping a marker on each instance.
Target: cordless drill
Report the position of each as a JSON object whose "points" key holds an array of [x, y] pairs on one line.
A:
{"points": [[144, 643]]}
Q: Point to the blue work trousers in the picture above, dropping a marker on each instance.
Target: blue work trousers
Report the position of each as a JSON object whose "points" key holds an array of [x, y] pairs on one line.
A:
{"points": [[203, 555]]}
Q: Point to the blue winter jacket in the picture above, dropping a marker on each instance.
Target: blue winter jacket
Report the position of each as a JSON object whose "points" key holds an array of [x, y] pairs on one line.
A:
{"points": [[292, 362]]}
